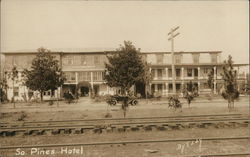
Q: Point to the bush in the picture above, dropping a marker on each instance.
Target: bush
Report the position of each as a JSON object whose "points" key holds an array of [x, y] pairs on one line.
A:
{"points": [[174, 102], [22, 116], [68, 97], [51, 102], [3, 96]]}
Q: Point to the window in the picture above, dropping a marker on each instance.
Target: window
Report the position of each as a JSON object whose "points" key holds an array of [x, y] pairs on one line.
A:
{"points": [[83, 60], [178, 87], [178, 72], [170, 87], [97, 76], [207, 70], [16, 91], [48, 93], [85, 76], [205, 85], [196, 72], [189, 72], [178, 59], [96, 60], [15, 60], [159, 71], [70, 76], [159, 58], [214, 58], [169, 72], [69, 60], [153, 73], [160, 87], [196, 58]]}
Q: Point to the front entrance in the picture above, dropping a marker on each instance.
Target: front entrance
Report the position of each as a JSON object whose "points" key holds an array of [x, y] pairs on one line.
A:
{"points": [[140, 89], [84, 91]]}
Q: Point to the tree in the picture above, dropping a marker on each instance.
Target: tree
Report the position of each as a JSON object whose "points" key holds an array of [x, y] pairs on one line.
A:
{"points": [[230, 88], [146, 77], [3, 88], [13, 75], [210, 80], [124, 68], [190, 92], [45, 73]]}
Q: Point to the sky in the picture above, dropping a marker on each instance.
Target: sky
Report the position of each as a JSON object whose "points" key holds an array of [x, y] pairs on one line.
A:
{"points": [[85, 25]]}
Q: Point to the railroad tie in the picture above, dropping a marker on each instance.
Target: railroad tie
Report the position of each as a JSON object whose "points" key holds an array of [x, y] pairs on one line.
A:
{"points": [[191, 125], [150, 127], [120, 129], [134, 128], [7, 133], [67, 131], [109, 129], [55, 131], [77, 131], [244, 124], [220, 125], [206, 125], [46, 132], [127, 128], [162, 127], [97, 130], [87, 130], [180, 126]]}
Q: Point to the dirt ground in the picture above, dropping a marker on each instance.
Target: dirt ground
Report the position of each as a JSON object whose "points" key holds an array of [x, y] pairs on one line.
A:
{"points": [[87, 109], [137, 150]]}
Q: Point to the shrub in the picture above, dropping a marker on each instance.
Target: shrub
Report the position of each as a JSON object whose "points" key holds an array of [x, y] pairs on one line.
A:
{"points": [[22, 116], [174, 102]]}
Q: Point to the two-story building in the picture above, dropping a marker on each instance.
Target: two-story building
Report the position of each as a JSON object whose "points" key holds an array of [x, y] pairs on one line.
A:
{"points": [[84, 72], [189, 66]]}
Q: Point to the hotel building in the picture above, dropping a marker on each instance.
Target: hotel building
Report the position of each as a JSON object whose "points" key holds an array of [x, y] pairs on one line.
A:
{"points": [[84, 72]]}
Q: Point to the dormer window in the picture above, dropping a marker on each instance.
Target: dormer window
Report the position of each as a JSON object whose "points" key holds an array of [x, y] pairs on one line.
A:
{"points": [[178, 59], [159, 58], [196, 58], [214, 58], [83, 60]]}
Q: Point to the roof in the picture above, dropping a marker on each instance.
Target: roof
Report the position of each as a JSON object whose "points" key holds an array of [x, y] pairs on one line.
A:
{"points": [[106, 51], [182, 52]]}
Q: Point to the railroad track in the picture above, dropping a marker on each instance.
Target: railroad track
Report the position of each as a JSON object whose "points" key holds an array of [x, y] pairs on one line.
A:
{"points": [[117, 120], [47, 146], [123, 124]]}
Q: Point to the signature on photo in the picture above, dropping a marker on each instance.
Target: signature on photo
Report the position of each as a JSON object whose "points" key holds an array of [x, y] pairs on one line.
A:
{"points": [[189, 144]]}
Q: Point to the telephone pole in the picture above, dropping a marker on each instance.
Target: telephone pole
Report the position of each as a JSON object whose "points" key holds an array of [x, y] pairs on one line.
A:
{"points": [[171, 38]]}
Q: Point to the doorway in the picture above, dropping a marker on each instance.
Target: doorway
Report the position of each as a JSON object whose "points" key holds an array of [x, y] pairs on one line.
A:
{"points": [[84, 91]]}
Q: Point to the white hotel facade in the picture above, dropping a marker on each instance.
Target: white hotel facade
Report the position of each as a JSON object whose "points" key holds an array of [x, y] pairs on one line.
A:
{"points": [[84, 72]]}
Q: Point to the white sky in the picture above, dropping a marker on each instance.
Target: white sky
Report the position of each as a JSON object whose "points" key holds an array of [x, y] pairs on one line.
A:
{"points": [[74, 24]]}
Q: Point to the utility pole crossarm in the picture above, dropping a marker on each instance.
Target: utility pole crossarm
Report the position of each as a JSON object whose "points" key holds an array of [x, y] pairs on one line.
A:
{"points": [[172, 36]]}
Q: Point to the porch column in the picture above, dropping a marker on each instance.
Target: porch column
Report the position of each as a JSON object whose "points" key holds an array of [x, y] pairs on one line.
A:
{"points": [[199, 70], [107, 89], [199, 84], [156, 87], [156, 74], [91, 82], [76, 73], [182, 76], [150, 88], [182, 73], [215, 76], [166, 69], [76, 91], [238, 72], [166, 90]]}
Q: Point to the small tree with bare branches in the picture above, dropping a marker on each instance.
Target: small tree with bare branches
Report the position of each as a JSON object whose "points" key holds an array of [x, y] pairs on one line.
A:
{"points": [[229, 76]]}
